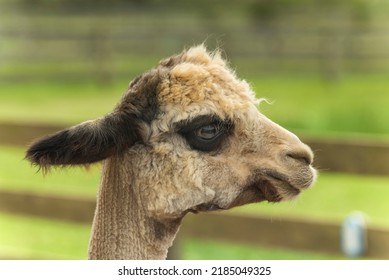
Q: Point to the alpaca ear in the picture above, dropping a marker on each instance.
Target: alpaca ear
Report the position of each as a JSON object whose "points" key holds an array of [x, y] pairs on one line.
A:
{"points": [[86, 143]]}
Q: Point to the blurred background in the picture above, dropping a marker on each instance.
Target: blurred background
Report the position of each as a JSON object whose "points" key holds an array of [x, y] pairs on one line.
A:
{"points": [[324, 65]]}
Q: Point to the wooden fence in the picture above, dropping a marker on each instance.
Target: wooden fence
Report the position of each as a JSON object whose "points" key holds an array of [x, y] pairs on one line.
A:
{"points": [[300, 234]]}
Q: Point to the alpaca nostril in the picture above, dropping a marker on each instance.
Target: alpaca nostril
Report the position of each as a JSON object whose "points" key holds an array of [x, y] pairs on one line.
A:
{"points": [[305, 157]]}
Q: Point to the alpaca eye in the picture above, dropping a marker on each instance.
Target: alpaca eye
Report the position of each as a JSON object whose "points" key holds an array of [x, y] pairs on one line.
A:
{"points": [[208, 132], [205, 133]]}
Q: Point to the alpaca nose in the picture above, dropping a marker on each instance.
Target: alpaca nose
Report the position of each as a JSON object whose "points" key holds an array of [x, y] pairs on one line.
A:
{"points": [[302, 153]]}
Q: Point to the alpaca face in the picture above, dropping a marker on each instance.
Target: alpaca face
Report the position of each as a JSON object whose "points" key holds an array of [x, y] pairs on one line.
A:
{"points": [[191, 136], [218, 150]]}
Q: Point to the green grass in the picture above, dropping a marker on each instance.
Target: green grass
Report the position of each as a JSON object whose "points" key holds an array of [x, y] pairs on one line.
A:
{"points": [[194, 249], [356, 103], [53, 103], [17, 174], [36, 238]]}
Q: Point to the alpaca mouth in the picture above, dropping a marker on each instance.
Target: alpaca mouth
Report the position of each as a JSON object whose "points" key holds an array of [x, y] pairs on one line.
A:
{"points": [[288, 187], [271, 186], [268, 185], [282, 186]]}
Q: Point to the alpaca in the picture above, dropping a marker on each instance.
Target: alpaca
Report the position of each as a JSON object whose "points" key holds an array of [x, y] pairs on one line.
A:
{"points": [[185, 137]]}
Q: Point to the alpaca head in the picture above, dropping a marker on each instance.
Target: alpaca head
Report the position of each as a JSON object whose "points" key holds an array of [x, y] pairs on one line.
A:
{"points": [[189, 133]]}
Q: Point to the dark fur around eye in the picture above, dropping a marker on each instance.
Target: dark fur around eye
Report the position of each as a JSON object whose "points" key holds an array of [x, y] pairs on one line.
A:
{"points": [[189, 130]]}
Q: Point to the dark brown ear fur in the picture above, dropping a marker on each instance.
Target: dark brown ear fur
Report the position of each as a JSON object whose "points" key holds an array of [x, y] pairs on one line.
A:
{"points": [[86, 143]]}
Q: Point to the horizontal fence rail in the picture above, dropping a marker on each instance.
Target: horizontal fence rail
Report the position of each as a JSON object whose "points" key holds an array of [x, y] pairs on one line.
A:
{"points": [[67, 208], [350, 155], [292, 233], [22, 134], [333, 155]]}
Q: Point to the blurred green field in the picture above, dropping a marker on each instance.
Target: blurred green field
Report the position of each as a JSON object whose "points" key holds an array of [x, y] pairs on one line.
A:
{"points": [[65, 62]]}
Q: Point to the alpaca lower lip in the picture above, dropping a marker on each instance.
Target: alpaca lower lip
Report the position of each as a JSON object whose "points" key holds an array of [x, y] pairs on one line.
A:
{"points": [[276, 175], [283, 179], [281, 182]]}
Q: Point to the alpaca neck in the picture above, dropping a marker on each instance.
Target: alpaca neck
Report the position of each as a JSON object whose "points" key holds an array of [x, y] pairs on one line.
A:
{"points": [[121, 227]]}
